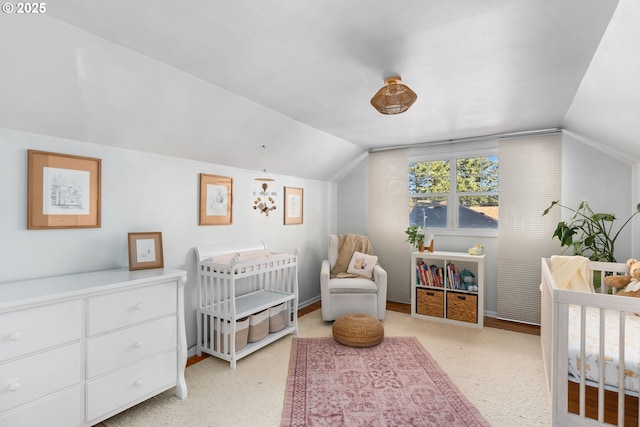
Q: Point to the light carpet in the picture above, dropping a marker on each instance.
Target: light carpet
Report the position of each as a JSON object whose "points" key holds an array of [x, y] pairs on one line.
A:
{"points": [[500, 372], [395, 383]]}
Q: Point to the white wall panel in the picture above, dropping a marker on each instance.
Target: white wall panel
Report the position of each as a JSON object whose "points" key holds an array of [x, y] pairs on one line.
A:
{"points": [[389, 218], [530, 178]]}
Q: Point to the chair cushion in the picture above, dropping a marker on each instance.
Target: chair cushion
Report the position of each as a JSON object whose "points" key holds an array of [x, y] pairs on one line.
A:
{"points": [[355, 285], [362, 264]]}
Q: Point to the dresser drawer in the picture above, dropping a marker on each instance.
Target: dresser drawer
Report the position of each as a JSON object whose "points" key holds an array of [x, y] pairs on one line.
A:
{"points": [[25, 331], [35, 376], [113, 311], [114, 350], [60, 410], [122, 388]]}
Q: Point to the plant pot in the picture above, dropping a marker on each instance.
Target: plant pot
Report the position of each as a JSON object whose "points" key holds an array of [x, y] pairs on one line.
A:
{"points": [[421, 247]]}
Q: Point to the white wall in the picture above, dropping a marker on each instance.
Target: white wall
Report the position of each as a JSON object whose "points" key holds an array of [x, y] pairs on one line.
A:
{"points": [[149, 192], [353, 200], [605, 182]]}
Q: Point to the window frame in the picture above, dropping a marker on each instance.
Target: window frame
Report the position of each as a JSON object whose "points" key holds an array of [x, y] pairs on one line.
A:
{"points": [[453, 196]]}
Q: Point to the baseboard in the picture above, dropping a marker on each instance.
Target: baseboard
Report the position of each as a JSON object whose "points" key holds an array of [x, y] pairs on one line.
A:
{"points": [[303, 304]]}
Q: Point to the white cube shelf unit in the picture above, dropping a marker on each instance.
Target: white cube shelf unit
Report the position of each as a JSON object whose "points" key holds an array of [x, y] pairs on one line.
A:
{"points": [[437, 293], [238, 283]]}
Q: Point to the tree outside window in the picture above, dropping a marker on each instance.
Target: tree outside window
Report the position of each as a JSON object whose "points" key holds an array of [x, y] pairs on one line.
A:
{"points": [[468, 185]]}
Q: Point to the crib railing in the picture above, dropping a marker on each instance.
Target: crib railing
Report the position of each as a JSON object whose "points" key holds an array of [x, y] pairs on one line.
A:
{"points": [[555, 306]]}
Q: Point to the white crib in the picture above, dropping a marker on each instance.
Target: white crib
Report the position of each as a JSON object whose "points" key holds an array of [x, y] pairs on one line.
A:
{"points": [[576, 327]]}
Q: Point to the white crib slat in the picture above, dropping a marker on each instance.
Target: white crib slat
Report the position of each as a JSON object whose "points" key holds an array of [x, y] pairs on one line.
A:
{"points": [[583, 343], [601, 360], [216, 337], [561, 370], [621, 369]]}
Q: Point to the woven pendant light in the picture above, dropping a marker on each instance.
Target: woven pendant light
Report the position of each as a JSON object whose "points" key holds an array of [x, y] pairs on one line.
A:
{"points": [[394, 97]]}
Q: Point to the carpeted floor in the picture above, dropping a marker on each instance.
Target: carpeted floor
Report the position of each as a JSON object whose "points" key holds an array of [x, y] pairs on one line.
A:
{"points": [[500, 372]]}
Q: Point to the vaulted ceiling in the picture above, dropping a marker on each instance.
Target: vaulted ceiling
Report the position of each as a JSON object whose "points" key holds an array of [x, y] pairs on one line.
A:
{"points": [[479, 67]]}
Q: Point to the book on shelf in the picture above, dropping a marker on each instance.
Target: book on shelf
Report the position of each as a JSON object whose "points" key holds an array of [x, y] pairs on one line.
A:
{"points": [[453, 276], [429, 275]]}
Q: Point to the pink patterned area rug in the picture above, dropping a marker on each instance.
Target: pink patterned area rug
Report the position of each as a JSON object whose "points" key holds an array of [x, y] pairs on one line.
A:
{"points": [[396, 383]]}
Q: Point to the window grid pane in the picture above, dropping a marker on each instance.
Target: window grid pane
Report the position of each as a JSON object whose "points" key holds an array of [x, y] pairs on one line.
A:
{"points": [[478, 212], [471, 185], [429, 177], [428, 211], [477, 174]]}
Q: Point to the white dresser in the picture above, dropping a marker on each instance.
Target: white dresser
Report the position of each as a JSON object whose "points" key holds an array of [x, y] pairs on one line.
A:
{"points": [[77, 349]]}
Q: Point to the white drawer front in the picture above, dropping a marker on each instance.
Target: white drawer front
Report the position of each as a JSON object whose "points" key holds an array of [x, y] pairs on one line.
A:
{"points": [[61, 410], [117, 390], [112, 311], [111, 351], [33, 329], [35, 376]]}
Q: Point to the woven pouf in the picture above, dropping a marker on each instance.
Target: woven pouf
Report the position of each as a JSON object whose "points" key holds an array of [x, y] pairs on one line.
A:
{"points": [[358, 330]]}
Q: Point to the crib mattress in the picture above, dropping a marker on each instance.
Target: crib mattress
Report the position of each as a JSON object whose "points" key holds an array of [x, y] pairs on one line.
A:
{"points": [[612, 346]]}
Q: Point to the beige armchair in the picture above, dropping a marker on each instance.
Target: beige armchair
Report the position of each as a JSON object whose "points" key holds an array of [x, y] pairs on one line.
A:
{"points": [[354, 293]]}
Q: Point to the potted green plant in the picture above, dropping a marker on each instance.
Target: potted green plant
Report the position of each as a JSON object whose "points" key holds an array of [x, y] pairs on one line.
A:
{"points": [[415, 236], [589, 234]]}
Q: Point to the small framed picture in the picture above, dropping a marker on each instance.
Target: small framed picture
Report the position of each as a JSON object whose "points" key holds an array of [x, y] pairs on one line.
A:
{"points": [[293, 205], [145, 250], [63, 191], [216, 200]]}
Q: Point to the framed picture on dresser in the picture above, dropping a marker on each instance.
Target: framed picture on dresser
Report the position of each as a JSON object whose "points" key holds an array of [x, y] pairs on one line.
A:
{"points": [[145, 250]]}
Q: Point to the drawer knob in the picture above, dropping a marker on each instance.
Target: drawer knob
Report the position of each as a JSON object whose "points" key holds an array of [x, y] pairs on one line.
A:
{"points": [[15, 335], [138, 306], [138, 382], [138, 343], [14, 386]]}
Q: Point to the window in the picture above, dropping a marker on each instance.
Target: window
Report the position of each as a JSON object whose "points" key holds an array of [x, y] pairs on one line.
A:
{"points": [[467, 185]]}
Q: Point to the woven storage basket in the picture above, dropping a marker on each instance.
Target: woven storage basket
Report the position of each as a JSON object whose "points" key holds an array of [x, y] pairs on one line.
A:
{"points": [[258, 325], [430, 302], [242, 333], [463, 307], [278, 317], [358, 330]]}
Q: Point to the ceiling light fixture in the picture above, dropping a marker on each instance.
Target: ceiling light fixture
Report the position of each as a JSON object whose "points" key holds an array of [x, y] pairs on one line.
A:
{"points": [[394, 97]]}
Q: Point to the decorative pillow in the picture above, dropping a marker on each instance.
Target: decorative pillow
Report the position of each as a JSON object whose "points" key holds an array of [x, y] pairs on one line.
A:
{"points": [[362, 264]]}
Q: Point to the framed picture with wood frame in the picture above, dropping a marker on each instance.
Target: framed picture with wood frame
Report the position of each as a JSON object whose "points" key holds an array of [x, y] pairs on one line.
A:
{"points": [[216, 200], [63, 191], [145, 250], [293, 205]]}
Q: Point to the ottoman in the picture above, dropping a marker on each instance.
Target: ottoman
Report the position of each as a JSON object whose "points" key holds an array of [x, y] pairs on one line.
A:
{"points": [[358, 330]]}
